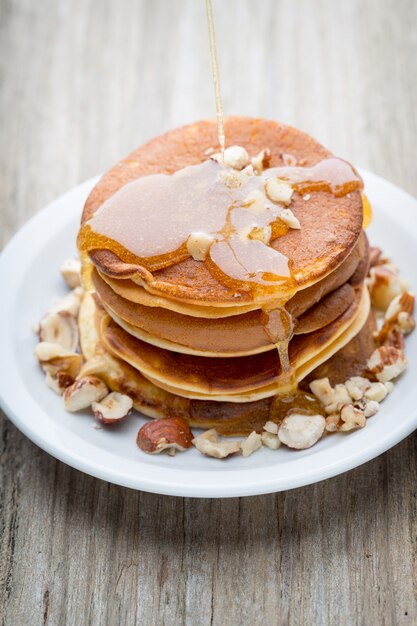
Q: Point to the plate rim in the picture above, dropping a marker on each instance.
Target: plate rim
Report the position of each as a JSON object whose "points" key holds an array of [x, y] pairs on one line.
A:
{"points": [[178, 485]]}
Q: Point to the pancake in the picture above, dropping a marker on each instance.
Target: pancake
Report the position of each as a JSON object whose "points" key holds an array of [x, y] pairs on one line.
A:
{"points": [[238, 377], [215, 340], [354, 268], [228, 418], [314, 253], [240, 335]]}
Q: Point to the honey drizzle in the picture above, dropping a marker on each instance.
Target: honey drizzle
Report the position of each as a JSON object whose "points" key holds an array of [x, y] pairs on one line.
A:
{"points": [[196, 199], [279, 326], [278, 323], [216, 78]]}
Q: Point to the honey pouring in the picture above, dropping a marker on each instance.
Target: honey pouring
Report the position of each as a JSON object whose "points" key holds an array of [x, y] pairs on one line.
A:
{"points": [[241, 214]]}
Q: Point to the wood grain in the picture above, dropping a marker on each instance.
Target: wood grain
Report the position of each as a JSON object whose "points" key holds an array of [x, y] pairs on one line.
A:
{"points": [[82, 83]]}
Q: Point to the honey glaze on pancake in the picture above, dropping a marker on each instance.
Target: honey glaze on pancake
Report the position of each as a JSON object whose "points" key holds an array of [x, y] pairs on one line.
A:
{"points": [[149, 220]]}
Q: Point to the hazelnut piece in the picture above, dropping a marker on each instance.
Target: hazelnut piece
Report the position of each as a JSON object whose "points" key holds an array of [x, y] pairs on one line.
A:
{"points": [[60, 328], [54, 358], [169, 433], [252, 443], [300, 431], [387, 363], [210, 444], [278, 190], [234, 156], [70, 303], [113, 408], [83, 393], [71, 272], [198, 245]]}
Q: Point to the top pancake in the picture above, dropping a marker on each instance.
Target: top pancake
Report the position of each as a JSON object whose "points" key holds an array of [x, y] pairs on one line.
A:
{"points": [[330, 225]]}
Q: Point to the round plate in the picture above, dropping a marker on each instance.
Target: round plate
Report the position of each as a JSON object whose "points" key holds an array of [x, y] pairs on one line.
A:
{"points": [[30, 282]]}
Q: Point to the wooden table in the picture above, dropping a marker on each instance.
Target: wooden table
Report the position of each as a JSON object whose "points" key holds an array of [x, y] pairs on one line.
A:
{"points": [[84, 82]]}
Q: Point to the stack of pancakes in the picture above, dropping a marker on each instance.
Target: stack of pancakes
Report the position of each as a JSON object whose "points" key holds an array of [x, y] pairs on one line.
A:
{"points": [[182, 343]]}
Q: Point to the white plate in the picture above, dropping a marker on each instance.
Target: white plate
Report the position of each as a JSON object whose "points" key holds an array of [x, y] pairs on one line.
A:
{"points": [[30, 282]]}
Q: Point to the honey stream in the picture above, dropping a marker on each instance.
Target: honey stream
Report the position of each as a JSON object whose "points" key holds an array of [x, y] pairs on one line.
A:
{"points": [[216, 77]]}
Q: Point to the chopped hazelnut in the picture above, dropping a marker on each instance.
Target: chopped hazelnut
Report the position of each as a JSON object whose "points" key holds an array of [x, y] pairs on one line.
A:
{"points": [[70, 303], [352, 418], [384, 285], [252, 443], [356, 386], [376, 392], [169, 434], [209, 444], [278, 190], [83, 393], [271, 427], [198, 245], [53, 358], [371, 408], [288, 217], [71, 272], [234, 156], [270, 440], [386, 363], [261, 161], [323, 390], [60, 328], [113, 408], [301, 431]]}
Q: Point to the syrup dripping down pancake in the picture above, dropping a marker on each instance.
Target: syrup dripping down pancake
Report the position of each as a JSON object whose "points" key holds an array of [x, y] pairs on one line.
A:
{"points": [[239, 335], [240, 376], [353, 269], [228, 418]]}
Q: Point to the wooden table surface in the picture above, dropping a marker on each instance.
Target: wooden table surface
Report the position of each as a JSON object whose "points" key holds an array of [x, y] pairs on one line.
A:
{"points": [[82, 83]]}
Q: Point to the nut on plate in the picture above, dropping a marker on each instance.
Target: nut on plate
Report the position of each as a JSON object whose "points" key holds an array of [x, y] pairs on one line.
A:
{"points": [[376, 392], [371, 408], [356, 387], [53, 359], [210, 444], [330, 397], [333, 422], [351, 417], [83, 393], [61, 328], [340, 396], [70, 303], [113, 408], [71, 272], [252, 443], [386, 363], [322, 389], [59, 382], [300, 430], [270, 440], [384, 285], [271, 427], [400, 312], [169, 433]]}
